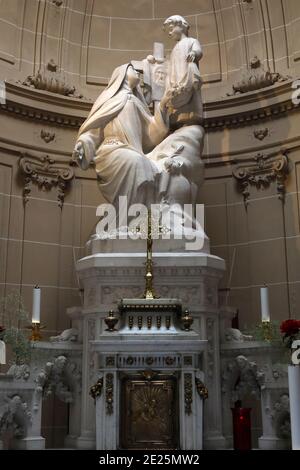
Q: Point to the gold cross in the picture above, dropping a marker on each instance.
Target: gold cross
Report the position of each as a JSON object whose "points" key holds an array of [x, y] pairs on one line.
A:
{"points": [[149, 290]]}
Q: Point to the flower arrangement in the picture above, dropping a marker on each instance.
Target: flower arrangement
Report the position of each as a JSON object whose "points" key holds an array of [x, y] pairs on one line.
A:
{"points": [[266, 331], [290, 330], [13, 318]]}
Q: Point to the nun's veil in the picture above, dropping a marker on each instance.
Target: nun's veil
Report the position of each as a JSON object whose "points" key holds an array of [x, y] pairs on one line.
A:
{"points": [[102, 110]]}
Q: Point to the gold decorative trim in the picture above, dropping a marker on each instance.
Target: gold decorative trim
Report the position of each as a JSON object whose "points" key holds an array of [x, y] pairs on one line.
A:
{"points": [[156, 305], [188, 393], [201, 389], [148, 374], [109, 393], [188, 360], [46, 173], [96, 390], [110, 361]]}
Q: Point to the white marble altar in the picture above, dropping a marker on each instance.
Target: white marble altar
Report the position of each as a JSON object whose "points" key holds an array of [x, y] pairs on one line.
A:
{"points": [[107, 278]]}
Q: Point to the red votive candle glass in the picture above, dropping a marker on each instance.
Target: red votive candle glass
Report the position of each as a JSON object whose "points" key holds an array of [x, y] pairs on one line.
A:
{"points": [[241, 428]]}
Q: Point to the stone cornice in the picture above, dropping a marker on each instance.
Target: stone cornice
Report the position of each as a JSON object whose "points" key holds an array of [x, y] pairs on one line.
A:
{"points": [[29, 103], [249, 108], [232, 111]]}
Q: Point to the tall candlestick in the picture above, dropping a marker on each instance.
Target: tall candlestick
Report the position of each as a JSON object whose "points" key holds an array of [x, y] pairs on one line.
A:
{"points": [[36, 305], [2, 352], [264, 302]]}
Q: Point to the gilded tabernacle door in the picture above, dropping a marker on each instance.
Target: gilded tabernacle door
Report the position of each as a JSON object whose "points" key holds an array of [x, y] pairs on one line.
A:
{"points": [[149, 411]]}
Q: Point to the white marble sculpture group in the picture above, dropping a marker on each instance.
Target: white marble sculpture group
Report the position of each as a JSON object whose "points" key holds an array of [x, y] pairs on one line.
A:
{"points": [[150, 159]]}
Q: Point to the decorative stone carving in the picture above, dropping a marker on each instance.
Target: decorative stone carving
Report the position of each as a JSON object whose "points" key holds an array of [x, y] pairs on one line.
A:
{"points": [[14, 416], [47, 136], [188, 393], [154, 75], [96, 390], [241, 377], [57, 3], [109, 393], [92, 365], [256, 77], [53, 379], [188, 360], [261, 173], [210, 348], [111, 294], [235, 335], [67, 335], [50, 79], [110, 361], [19, 372], [281, 417], [261, 134], [141, 361], [46, 173], [91, 328], [201, 389]]}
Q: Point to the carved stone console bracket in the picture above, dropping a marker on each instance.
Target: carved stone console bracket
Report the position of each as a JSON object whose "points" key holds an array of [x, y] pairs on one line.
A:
{"points": [[261, 172], [46, 173]]}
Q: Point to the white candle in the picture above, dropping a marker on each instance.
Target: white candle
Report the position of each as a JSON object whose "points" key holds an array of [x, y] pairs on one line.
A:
{"points": [[36, 305], [2, 352], [264, 302]]}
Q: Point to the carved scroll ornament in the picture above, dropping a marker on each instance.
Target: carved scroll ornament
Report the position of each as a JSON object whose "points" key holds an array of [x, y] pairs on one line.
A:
{"points": [[261, 172], [46, 173], [256, 77]]}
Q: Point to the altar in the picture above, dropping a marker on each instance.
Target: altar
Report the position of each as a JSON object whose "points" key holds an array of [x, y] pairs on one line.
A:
{"points": [[164, 345]]}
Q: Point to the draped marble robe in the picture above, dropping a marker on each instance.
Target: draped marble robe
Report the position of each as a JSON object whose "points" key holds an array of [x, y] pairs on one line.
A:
{"points": [[133, 153], [117, 135], [187, 107]]}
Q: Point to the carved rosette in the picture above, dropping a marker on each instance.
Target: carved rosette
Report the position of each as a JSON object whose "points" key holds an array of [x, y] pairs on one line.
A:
{"points": [[46, 173], [261, 172], [210, 323]]}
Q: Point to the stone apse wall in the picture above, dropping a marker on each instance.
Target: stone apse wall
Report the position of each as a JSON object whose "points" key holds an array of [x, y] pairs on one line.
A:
{"points": [[47, 206]]}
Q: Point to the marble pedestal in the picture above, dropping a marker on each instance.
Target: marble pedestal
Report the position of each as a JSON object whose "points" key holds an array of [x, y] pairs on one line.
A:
{"points": [[191, 277]]}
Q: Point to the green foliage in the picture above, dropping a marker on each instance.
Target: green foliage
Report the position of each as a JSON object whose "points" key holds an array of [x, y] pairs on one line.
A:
{"points": [[269, 332], [13, 318]]}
